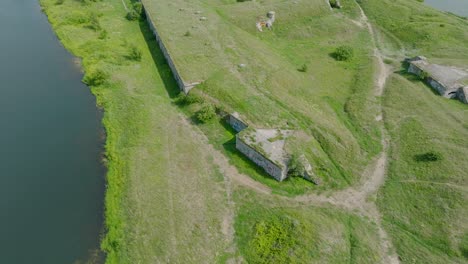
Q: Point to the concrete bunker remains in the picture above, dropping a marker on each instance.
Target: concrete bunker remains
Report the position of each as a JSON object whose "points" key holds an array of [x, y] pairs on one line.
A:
{"points": [[450, 82]]}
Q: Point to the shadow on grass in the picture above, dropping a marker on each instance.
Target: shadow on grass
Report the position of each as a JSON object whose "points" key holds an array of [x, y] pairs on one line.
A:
{"points": [[159, 60]]}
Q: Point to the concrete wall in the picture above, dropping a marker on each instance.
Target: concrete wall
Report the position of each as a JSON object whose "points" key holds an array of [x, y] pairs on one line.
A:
{"points": [[237, 124], [463, 94], [414, 69], [271, 168], [440, 88], [436, 85], [185, 88]]}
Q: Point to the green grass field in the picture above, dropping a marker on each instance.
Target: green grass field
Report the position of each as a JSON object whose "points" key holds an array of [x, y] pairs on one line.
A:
{"points": [[168, 201], [332, 102], [424, 202]]}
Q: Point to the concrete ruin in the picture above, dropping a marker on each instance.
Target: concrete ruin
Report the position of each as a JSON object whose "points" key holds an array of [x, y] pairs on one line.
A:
{"points": [[268, 22], [450, 82], [236, 122], [265, 147], [184, 86]]}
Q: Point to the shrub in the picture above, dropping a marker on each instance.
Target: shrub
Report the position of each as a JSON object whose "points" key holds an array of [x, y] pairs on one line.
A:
{"points": [[424, 75], [103, 34], [189, 99], [135, 53], [136, 12], [59, 2], [343, 53], [296, 166], [138, 7], [273, 242], [132, 15], [206, 113], [428, 157], [94, 22], [187, 34], [303, 68], [95, 78]]}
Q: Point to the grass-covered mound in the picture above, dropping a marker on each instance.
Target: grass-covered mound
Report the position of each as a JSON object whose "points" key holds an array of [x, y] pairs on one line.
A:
{"points": [[289, 77]]}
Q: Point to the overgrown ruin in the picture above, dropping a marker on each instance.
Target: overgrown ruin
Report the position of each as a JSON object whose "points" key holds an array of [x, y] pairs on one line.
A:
{"points": [[450, 82]]}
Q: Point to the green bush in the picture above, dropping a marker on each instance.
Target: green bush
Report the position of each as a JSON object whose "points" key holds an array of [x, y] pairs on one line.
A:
{"points": [[206, 113], [103, 34], [136, 12], [138, 7], [428, 157], [94, 23], [303, 68], [95, 78], [189, 99], [132, 15], [273, 241], [59, 2], [135, 53], [343, 53], [296, 166], [424, 75]]}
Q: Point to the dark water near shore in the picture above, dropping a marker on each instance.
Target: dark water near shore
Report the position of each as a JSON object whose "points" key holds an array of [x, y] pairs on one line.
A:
{"points": [[459, 7], [51, 180]]}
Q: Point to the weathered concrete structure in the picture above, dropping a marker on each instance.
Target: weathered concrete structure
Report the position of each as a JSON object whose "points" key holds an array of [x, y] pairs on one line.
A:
{"points": [[236, 122], [447, 81], [265, 147], [463, 94], [185, 87]]}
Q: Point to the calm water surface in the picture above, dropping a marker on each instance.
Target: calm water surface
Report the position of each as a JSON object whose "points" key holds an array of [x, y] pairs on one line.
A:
{"points": [[51, 180], [459, 7]]}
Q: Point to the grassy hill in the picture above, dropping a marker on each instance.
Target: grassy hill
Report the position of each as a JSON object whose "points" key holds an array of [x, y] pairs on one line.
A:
{"points": [[168, 199], [332, 101]]}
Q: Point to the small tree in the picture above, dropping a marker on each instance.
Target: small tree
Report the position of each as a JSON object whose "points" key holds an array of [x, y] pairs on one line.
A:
{"points": [[206, 113], [343, 53]]}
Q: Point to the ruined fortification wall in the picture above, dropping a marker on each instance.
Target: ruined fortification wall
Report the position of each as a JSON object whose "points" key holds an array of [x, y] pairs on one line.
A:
{"points": [[180, 82], [436, 85], [463, 94], [271, 168], [237, 124], [440, 88], [414, 69]]}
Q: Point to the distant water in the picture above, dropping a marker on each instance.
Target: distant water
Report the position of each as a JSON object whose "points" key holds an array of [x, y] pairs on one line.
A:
{"points": [[459, 7], [51, 179]]}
